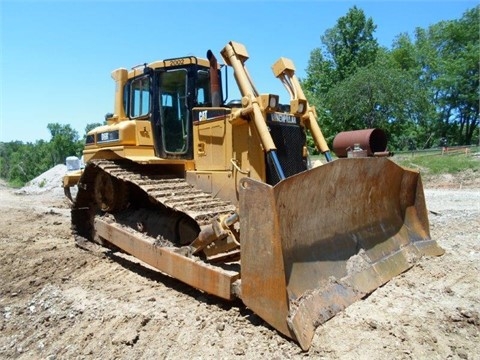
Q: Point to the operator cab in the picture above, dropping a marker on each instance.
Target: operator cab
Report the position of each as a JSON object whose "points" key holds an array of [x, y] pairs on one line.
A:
{"points": [[165, 93]]}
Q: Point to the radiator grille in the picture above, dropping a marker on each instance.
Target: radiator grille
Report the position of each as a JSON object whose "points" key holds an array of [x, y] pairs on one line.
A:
{"points": [[289, 140]]}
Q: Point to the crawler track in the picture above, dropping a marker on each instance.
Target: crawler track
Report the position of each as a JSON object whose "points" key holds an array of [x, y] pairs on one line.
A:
{"points": [[162, 200]]}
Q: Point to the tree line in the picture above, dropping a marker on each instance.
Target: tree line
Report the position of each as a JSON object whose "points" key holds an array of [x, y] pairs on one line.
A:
{"points": [[21, 162], [423, 92]]}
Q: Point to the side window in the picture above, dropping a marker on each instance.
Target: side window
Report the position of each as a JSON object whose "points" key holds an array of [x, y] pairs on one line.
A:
{"points": [[126, 99], [203, 88], [201, 96], [140, 97]]}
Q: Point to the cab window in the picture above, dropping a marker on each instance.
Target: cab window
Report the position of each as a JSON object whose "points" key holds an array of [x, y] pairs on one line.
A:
{"points": [[139, 97], [203, 88]]}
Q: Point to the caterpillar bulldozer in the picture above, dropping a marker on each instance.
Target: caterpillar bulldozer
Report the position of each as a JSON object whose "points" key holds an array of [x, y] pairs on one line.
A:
{"points": [[221, 195]]}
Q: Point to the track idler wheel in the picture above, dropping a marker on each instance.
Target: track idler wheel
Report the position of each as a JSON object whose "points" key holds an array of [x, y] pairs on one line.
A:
{"points": [[111, 194]]}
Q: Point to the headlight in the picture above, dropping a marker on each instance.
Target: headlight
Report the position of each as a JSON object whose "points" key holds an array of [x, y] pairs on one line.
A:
{"points": [[273, 101], [301, 108], [268, 102], [298, 106]]}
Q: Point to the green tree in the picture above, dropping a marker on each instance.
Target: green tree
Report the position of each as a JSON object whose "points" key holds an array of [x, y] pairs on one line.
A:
{"points": [[419, 91], [381, 95], [6, 153], [347, 47], [350, 43], [65, 142], [405, 55], [448, 54], [20, 162]]}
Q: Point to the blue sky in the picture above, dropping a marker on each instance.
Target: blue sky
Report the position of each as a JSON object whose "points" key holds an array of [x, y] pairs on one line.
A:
{"points": [[57, 56]]}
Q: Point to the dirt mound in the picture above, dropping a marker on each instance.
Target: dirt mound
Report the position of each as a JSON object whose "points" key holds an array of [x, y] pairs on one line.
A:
{"points": [[49, 181]]}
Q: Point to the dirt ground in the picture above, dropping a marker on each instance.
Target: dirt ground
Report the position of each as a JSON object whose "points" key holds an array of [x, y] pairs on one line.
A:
{"points": [[58, 301]]}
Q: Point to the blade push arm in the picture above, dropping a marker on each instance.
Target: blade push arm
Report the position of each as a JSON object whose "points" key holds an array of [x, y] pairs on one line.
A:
{"points": [[235, 55]]}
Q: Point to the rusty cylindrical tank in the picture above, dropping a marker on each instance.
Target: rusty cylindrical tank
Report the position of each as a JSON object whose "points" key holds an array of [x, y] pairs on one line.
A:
{"points": [[370, 140]]}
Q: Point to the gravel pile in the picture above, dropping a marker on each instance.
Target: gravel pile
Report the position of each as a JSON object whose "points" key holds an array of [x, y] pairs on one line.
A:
{"points": [[49, 181]]}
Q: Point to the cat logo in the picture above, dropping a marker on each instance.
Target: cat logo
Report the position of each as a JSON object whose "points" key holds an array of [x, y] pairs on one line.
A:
{"points": [[283, 118]]}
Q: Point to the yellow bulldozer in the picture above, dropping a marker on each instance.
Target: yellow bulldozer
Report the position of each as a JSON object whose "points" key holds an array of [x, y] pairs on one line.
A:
{"points": [[221, 195]]}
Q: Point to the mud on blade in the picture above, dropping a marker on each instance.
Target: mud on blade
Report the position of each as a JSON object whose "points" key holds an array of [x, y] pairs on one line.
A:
{"points": [[320, 240]]}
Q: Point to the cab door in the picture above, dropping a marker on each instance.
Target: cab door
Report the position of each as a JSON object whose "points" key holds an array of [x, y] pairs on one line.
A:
{"points": [[172, 121]]}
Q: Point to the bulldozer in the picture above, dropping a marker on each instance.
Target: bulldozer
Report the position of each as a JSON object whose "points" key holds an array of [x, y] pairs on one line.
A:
{"points": [[222, 195]]}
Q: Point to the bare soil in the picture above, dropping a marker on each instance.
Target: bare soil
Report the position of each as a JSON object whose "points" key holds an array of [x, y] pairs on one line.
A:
{"points": [[58, 301]]}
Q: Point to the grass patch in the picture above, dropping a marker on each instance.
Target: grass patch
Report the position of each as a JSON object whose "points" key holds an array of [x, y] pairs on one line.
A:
{"points": [[433, 162], [16, 184], [436, 164]]}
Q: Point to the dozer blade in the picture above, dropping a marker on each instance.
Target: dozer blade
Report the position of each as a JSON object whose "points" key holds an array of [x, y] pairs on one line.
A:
{"points": [[325, 238]]}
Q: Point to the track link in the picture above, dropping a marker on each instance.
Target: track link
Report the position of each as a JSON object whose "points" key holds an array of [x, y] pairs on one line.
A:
{"points": [[163, 191]]}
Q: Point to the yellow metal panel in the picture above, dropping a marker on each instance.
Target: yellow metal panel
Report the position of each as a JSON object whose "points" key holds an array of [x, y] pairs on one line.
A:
{"points": [[213, 143], [120, 77], [211, 153], [71, 178], [248, 153], [144, 133], [141, 154], [221, 184], [135, 140], [283, 65], [138, 70], [126, 130]]}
